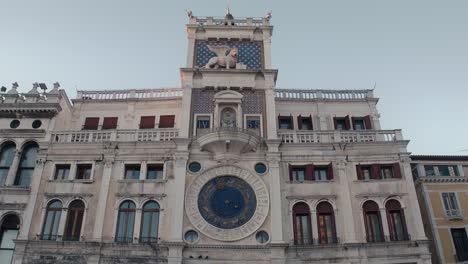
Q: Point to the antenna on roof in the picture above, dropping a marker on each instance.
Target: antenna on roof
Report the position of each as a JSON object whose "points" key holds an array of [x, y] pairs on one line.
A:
{"points": [[375, 85]]}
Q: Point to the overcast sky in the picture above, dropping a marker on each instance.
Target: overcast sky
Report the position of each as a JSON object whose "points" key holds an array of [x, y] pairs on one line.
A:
{"points": [[415, 51]]}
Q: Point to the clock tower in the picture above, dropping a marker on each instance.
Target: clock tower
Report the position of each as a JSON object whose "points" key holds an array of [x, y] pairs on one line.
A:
{"points": [[228, 112]]}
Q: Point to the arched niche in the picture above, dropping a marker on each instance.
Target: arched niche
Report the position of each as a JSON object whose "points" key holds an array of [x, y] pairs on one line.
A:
{"points": [[228, 109]]}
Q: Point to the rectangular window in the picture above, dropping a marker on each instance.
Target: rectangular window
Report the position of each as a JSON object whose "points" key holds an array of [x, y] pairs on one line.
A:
{"points": [[450, 201], [147, 122], [465, 171], [460, 241], [386, 172], [203, 122], [91, 123], [132, 171], [253, 122], [342, 123], [285, 122], [321, 173], [304, 123], [155, 171], [359, 124], [166, 121], [62, 171], [298, 174], [83, 171], [444, 170], [430, 170], [109, 123], [366, 172]]}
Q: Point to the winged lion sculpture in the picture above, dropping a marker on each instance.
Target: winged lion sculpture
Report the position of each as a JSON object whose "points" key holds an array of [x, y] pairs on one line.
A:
{"points": [[228, 61]]}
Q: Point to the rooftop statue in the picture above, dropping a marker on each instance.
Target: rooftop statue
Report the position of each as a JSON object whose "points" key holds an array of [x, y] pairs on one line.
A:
{"points": [[221, 59]]}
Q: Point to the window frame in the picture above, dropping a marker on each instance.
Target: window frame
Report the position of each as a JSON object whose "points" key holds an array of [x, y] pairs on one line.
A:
{"points": [[260, 128], [127, 212], [91, 123], [21, 168], [110, 123], [55, 210], [155, 164], [300, 122], [371, 233], [326, 212], [7, 146], [195, 121], [302, 209], [390, 220], [152, 212], [167, 121], [146, 124], [76, 210], [57, 169], [132, 167], [77, 170], [291, 120], [454, 245]]}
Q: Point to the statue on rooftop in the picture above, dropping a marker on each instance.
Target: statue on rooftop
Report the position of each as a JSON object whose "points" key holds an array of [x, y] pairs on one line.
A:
{"points": [[221, 59]]}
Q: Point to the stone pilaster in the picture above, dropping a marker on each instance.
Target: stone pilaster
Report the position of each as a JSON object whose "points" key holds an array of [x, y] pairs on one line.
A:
{"points": [[102, 201], [274, 158], [271, 116], [10, 180], [29, 211], [176, 191], [345, 203]]}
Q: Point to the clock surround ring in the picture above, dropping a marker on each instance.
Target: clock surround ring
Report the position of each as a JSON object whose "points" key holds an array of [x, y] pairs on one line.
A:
{"points": [[252, 225]]}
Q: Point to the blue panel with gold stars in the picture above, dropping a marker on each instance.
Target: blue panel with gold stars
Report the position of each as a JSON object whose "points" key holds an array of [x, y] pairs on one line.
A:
{"points": [[227, 202], [249, 53]]}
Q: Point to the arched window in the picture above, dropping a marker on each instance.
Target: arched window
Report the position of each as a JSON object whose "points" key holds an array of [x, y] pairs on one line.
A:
{"points": [[74, 220], [373, 222], [52, 220], [301, 224], [6, 159], [8, 232], [150, 222], [396, 221], [26, 166], [125, 222], [326, 223]]}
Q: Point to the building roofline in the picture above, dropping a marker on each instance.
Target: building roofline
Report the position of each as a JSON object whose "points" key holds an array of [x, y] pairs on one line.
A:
{"points": [[439, 157]]}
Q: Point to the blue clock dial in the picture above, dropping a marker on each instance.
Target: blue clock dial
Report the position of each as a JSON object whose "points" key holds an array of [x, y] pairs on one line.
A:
{"points": [[227, 202]]}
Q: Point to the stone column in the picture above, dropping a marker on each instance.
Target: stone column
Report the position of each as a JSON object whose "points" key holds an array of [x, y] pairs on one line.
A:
{"points": [[386, 230], [270, 114], [190, 47], [274, 158], [267, 48], [102, 201], [176, 191], [10, 180], [345, 203], [313, 222], [137, 225], [62, 223]]}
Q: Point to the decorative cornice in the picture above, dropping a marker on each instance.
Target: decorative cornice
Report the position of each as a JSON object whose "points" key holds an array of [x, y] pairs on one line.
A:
{"points": [[313, 197], [146, 195], [13, 206], [367, 195], [47, 194], [442, 179]]}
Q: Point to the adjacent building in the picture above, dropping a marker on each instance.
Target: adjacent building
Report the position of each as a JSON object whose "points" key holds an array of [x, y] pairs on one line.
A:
{"points": [[442, 188], [225, 169]]}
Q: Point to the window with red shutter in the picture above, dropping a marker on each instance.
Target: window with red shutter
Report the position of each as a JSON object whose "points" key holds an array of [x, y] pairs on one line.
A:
{"points": [[359, 172], [309, 171], [330, 171], [109, 123], [375, 172], [166, 121], [91, 123], [299, 122], [396, 170], [347, 123], [367, 122], [147, 122]]}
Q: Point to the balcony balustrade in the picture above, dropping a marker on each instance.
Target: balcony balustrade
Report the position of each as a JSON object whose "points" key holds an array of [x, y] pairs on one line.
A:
{"points": [[130, 94], [97, 136], [291, 94], [336, 136]]}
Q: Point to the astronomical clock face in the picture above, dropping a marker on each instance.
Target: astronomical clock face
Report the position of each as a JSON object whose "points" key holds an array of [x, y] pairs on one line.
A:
{"points": [[227, 203]]}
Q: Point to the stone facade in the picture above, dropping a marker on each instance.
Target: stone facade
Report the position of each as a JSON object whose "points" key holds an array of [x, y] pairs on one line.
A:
{"points": [[295, 176], [441, 184]]}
